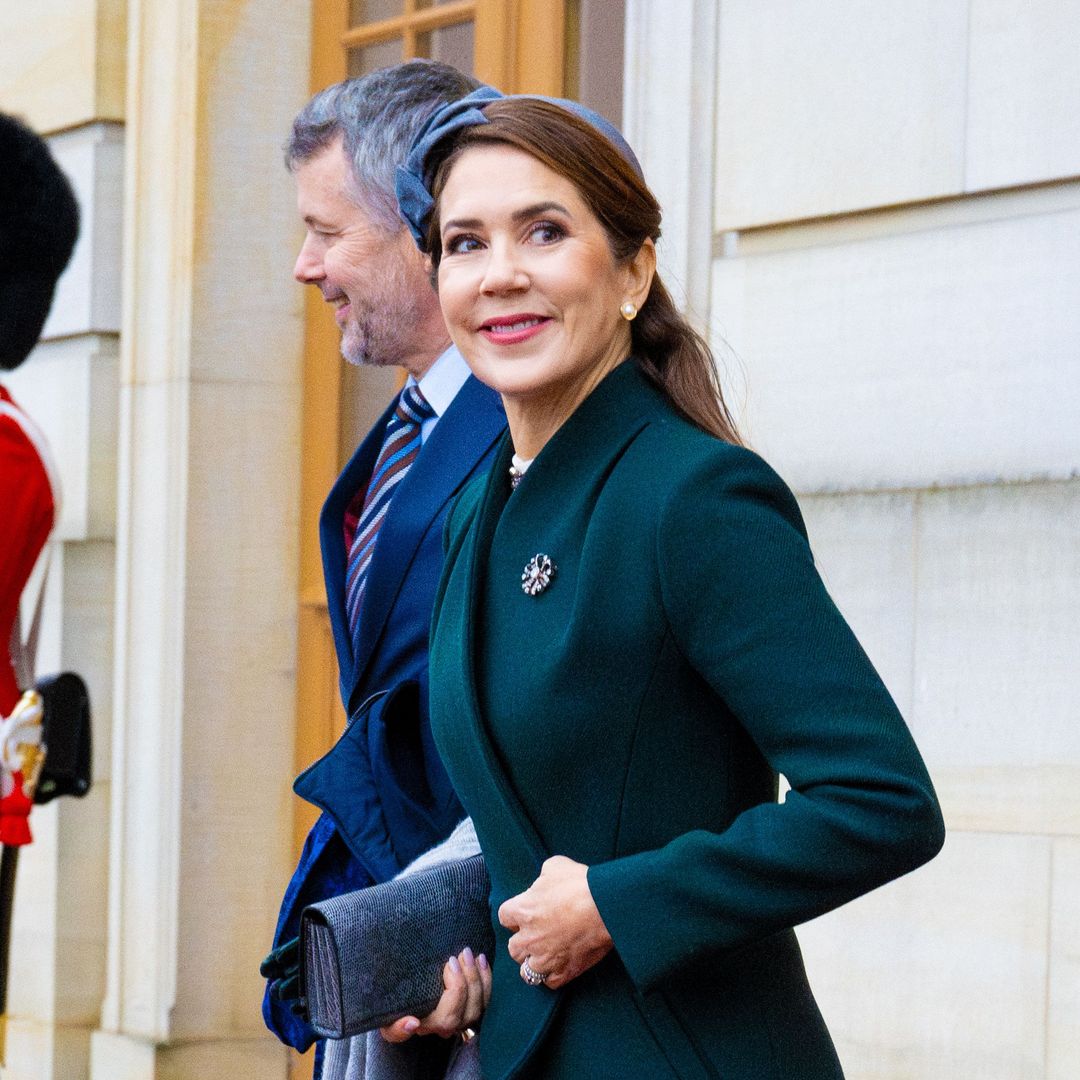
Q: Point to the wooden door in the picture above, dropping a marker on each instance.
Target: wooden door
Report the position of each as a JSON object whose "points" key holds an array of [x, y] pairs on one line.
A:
{"points": [[353, 37]]}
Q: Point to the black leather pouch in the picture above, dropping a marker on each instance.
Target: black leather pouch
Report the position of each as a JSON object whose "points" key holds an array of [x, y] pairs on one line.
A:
{"points": [[66, 735]]}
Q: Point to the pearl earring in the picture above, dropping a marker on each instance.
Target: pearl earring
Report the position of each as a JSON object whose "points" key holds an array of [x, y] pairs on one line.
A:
{"points": [[628, 311]]}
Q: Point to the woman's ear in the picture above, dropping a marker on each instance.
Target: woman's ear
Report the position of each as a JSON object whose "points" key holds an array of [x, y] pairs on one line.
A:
{"points": [[640, 273]]}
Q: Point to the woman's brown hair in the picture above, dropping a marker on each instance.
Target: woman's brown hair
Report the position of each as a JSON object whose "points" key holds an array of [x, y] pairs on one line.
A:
{"points": [[665, 346]]}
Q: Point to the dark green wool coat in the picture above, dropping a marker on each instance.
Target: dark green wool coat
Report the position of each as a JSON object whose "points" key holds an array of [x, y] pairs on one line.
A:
{"points": [[634, 716]]}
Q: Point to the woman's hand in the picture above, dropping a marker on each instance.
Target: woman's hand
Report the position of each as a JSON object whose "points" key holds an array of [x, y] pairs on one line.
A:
{"points": [[466, 993], [556, 924]]}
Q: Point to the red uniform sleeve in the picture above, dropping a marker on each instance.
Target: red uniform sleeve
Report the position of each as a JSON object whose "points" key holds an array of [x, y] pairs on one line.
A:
{"points": [[26, 515]]}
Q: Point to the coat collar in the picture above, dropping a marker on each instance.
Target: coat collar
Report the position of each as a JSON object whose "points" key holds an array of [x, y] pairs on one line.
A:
{"points": [[463, 435], [590, 440]]}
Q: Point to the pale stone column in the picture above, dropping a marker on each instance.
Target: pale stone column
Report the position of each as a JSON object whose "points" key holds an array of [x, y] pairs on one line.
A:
{"points": [[206, 587], [61, 69], [668, 118]]}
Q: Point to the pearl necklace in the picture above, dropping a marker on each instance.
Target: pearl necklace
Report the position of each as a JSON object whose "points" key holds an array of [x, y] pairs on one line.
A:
{"points": [[518, 468]]}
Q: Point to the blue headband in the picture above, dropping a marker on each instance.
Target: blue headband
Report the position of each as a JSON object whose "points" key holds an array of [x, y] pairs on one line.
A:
{"points": [[414, 197]]}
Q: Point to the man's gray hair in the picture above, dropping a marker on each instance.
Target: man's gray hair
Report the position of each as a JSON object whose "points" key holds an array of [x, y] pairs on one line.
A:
{"points": [[377, 117]]}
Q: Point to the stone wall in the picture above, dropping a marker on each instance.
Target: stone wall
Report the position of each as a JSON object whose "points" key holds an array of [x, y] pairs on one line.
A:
{"points": [[894, 224], [168, 382]]}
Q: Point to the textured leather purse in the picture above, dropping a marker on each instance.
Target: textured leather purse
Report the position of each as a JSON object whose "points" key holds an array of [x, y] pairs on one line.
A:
{"points": [[372, 956], [66, 735]]}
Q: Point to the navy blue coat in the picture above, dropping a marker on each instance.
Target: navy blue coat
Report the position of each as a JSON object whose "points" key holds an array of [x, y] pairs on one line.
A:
{"points": [[382, 789]]}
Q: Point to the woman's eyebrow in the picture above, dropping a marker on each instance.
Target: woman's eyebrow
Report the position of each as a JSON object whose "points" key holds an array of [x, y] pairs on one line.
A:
{"points": [[538, 208], [523, 214]]}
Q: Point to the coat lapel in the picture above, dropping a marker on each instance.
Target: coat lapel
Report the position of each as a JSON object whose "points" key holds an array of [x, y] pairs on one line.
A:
{"points": [[517, 863], [579, 455], [475, 563], [463, 435]]}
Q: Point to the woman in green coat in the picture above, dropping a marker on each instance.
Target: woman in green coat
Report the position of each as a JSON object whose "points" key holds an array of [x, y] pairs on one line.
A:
{"points": [[631, 642]]}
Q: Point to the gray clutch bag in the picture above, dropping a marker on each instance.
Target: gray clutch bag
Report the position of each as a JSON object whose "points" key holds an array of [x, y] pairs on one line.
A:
{"points": [[372, 956]]}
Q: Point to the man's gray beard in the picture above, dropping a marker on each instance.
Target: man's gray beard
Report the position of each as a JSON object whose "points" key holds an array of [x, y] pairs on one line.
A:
{"points": [[358, 352], [357, 358]]}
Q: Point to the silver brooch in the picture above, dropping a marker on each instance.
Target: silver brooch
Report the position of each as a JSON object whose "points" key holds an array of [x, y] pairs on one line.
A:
{"points": [[537, 575]]}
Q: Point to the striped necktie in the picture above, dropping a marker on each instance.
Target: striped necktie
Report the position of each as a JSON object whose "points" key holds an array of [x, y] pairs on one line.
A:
{"points": [[399, 450]]}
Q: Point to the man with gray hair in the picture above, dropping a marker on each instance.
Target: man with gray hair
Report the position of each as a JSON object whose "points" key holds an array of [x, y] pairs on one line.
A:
{"points": [[382, 790]]}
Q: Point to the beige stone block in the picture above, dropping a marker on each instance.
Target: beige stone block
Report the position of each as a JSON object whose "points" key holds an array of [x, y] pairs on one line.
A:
{"points": [[921, 349], [1063, 1028], [225, 1059], [864, 548], [243, 537], [996, 686], [31, 975], [81, 929], [120, 1057], [823, 109], [76, 627], [62, 61], [70, 389], [942, 974], [38, 1052], [1023, 125], [239, 700], [87, 296], [1010, 797], [89, 601], [28, 1050], [670, 60], [50, 645], [249, 325], [71, 1053]]}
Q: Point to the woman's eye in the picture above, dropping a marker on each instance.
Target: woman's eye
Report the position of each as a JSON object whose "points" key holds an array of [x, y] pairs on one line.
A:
{"points": [[545, 233], [459, 245]]}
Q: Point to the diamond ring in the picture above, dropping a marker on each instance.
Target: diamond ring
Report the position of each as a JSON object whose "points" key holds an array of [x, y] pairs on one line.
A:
{"points": [[530, 975]]}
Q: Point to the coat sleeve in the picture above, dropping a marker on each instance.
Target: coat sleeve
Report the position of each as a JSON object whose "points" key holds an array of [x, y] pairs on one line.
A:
{"points": [[750, 613]]}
